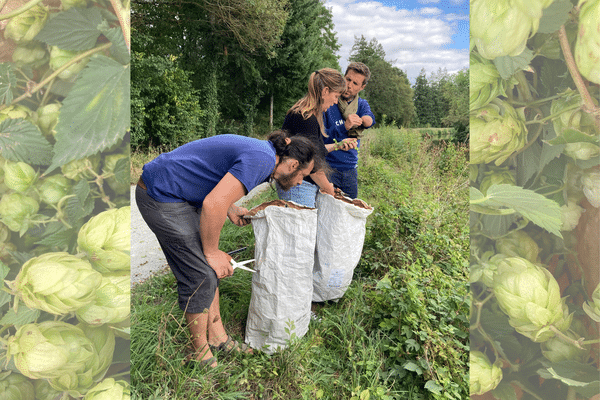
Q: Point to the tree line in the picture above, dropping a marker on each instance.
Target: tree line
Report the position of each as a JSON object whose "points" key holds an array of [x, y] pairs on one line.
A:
{"points": [[205, 67]]}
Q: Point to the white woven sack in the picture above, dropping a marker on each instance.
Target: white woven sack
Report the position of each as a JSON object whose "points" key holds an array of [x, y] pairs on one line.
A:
{"points": [[340, 238], [282, 286]]}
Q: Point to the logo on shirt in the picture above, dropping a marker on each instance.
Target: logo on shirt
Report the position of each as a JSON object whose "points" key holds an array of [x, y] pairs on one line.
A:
{"points": [[339, 122]]}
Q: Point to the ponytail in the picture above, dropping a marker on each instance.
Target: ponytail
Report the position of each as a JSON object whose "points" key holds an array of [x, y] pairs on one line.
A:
{"points": [[311, 103]]}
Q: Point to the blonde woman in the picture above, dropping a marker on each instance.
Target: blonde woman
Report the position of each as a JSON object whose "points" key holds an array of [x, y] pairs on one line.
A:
{"points": [[305, 118]]}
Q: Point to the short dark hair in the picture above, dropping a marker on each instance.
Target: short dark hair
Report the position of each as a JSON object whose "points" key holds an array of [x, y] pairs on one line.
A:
{"points": [[300, 148], [361, 69]]}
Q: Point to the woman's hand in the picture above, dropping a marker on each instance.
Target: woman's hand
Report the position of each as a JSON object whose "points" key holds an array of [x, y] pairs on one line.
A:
{"points": [[348, 144], [220, 262]]}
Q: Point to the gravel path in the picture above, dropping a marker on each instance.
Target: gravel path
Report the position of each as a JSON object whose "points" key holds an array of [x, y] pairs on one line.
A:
{"points": [[147, 259]]}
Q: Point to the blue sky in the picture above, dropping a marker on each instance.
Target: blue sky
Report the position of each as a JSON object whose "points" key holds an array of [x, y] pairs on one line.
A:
{"points": [[415, 34]]}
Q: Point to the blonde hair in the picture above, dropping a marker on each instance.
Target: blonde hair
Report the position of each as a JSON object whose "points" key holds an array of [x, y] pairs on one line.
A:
{"points": [[311, 103]]}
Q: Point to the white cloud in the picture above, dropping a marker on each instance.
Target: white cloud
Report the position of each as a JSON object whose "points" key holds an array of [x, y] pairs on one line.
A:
{"points": [[412, 39]]}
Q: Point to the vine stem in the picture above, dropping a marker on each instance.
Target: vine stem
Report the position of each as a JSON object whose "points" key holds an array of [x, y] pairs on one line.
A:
{"points": [[497, 351], [123, 15], [565, 338], [534, 103], [590, 107], [550, 117], [20, 10], [590, 341], [2, 4], [58, 71]]}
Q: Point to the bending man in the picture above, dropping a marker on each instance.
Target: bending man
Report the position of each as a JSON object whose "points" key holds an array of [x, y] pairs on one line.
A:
{"points": [[185, 196]]}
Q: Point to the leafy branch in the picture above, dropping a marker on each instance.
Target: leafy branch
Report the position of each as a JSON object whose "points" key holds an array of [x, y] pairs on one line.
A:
{"points": [[52, 76]]}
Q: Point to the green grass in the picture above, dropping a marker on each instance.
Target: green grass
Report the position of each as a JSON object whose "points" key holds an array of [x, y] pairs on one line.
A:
{"points": [[399, 332]]}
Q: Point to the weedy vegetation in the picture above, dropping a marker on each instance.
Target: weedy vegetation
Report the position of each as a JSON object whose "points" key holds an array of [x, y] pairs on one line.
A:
{"points": [[399, 332]]}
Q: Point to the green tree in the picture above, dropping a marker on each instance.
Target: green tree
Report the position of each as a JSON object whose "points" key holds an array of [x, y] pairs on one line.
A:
{"points": [[367, 52], [210, 37], [423, 100], [308, 43], [456, 94], [388, 91], [165, 108], [437, 83]]}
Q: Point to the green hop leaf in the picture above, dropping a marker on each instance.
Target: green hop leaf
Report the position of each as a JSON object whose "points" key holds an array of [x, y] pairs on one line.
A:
{"points": [[14, 386]]}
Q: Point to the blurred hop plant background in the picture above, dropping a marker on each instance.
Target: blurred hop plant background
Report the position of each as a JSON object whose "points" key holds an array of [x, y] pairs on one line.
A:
{"points": [[64, 200], [535, 193]]}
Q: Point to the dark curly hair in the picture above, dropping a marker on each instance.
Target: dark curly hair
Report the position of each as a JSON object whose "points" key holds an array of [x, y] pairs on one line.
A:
{"points": [[299, 148]]}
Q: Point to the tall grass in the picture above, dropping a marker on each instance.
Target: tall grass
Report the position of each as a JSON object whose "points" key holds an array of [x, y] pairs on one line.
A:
{"points": [[399, 332]]}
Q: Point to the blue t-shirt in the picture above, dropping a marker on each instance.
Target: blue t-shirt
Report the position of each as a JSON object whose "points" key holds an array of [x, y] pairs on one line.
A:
{"points": [[190, 172], [333, 120]]}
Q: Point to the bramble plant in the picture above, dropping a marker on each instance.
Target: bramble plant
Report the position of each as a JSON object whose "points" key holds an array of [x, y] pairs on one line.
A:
{"points": [[534, 177], [64, 200]]}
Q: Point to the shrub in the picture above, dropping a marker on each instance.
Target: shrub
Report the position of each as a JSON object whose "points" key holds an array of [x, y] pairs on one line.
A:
{"points": [[165, 108]]}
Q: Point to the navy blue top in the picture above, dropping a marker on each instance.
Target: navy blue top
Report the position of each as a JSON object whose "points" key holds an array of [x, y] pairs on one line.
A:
{"points": [[333, 120], [190, 172], [295, 124]]}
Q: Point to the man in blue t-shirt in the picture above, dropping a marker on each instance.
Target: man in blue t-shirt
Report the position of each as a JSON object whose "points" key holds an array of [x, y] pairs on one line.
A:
{"points": [[347, 120], [185, 196]]}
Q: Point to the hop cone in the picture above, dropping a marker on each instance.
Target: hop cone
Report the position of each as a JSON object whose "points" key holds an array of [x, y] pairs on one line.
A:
{"points": [[530, 296], [496, 176], [592, 307], [109, 389], [483, 376], [518, 244], [111, 304], [105, 240], [50, 349], [497, 131], [498, 28], [485, 83], [57, 283], [16, 210], [557, 349], [23, 27], [587, 47]]}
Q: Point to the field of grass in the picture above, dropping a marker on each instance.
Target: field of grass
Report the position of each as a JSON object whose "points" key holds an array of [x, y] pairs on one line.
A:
{"points": [[399, 332]]}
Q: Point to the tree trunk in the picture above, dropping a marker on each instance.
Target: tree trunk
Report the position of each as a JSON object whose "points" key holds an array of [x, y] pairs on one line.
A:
{"points": [[271, 114]]}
